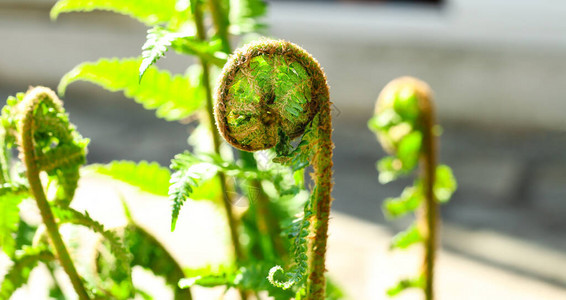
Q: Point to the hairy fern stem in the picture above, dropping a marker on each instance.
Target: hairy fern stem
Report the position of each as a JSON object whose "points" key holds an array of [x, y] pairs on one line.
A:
{"points": [[30, 103]]}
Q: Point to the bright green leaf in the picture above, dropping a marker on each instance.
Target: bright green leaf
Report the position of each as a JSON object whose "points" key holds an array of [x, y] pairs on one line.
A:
{"points": [[9, 219], [384, 120], [406, 238], [406, 284], [445, 184], [149, 12], [389, 169], [406, 104], [148, 177], [409, 150], [173, 97], [409, 200]]}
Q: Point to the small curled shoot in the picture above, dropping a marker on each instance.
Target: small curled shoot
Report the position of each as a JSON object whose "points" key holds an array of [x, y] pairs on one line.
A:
{"points": [[268, 90], [271, 92], [44, 134], [405, 126], [276, 282]]}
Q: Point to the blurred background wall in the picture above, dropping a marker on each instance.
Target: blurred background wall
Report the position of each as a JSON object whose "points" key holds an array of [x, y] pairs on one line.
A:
{"points": [[492, 62]]}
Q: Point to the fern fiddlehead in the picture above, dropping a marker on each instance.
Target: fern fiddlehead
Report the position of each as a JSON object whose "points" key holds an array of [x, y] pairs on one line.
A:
{"points": [[405, 126], [48, 142], [269, 93]]}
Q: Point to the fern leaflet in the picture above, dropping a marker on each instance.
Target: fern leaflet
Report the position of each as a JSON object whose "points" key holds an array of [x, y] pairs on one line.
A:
{"points": [[149, 12], [23, 264], [159, 39], [189, 172], [297, 233], [173, 97], [69, 215], [10, 198], [147, 176]]}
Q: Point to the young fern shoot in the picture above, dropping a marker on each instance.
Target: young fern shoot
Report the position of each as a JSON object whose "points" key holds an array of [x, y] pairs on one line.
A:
{"points": [[405, 126], [48, 142], [270, 93]]}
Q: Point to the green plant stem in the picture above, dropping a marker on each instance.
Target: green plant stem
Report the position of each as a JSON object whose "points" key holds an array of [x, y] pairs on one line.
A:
{"points": [[226, 197], [36, 189], [322, 200], [430, 207], [219, 17]]}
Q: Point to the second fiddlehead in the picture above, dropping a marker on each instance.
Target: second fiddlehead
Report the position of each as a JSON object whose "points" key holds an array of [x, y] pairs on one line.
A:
{"points": [[271, 92], [48, 142], [405, 126]]}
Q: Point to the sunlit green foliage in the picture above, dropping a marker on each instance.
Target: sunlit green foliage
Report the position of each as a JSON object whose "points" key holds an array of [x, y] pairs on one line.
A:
{"points": [[173, 97]]}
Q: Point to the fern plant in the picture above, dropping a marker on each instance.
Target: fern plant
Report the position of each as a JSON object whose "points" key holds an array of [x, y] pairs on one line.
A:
{"points": [[270, 93], [405, 126], [205, 172], [37, 123]]}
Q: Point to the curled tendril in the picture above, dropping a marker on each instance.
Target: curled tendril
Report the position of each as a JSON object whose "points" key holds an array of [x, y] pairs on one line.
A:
{"points": [[58, 148], [47, 142], [404, 124], [398, 110], [269, 89]]}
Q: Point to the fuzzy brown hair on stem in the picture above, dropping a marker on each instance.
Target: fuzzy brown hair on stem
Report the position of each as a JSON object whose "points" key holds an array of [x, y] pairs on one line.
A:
{"points": [[270, 92]]}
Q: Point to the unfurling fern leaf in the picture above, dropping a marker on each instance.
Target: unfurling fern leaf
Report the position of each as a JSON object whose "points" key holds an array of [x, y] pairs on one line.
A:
{"points": [[42, 130], [147, 176], [24, 262], [149, 12], [249, 277], [173, 97], [10, 198], [297, 233]]}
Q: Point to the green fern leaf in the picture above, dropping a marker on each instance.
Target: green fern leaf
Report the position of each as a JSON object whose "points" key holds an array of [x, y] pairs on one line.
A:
{"points": [[159, 39], [149, 12], [173, 97], [148, 253], [410, 199], [69, 215], [10, 198], [404, 239], [406, 284], [23, 264], [157, 42], [445, 184], [188, 175], [297, 233], [147, 176]]}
